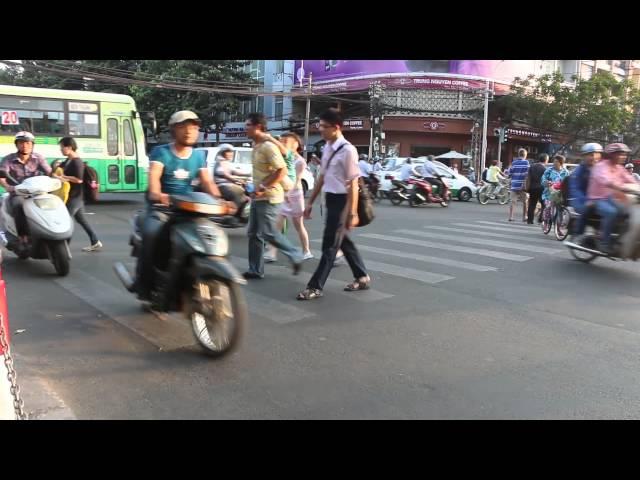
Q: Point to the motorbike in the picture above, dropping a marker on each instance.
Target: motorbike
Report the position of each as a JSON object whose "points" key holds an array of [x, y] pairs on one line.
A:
{"points": [[239, 221], [418, 191], [49, 224], [625, 237], [191, 272]]}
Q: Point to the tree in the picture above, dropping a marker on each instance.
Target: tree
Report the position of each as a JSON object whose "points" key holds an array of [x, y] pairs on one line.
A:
{"points": [[211, 107], [598, 109]]}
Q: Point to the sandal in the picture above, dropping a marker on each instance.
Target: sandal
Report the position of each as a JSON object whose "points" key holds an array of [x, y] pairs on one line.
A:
{"points": [[309, 294], [358, 285]]}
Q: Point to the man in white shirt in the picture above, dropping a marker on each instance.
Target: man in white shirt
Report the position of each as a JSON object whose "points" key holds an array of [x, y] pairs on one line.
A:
{"points": [[406, 171], [430, 173], [338, 179], [365, 167]]}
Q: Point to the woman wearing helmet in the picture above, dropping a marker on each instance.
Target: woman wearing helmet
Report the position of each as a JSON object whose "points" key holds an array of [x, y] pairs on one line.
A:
{"points": [[629, 168], [579, 183], [606, 190], [223, 174]]}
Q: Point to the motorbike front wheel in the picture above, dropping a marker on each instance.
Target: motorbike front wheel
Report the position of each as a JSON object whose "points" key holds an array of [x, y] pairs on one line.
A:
{"points": [[218, 314], [395, 198], [60, 257]]}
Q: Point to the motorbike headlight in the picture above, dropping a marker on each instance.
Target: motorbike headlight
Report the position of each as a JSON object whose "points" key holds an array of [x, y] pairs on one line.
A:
{"points": [[215, 239]]}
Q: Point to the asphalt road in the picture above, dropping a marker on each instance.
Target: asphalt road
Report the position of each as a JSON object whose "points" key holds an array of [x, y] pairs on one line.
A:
{"points": [[469, 317]]}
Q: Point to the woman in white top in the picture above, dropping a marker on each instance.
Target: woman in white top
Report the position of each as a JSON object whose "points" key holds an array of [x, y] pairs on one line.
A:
{"points": [[293, 206]]}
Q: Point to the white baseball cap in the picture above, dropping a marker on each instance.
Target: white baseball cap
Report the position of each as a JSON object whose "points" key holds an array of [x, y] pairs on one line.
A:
{"points": [[183, 116]]}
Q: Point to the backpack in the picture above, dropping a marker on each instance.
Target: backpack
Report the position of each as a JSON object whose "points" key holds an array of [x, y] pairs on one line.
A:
{"points": [[484, 174], [90, 185]]}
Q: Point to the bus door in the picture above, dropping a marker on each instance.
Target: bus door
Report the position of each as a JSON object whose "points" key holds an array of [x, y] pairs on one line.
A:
{"points": [[122, 166]]}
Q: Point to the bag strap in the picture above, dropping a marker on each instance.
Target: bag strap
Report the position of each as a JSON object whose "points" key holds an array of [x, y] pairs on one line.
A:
{"points": [[326, 169]]}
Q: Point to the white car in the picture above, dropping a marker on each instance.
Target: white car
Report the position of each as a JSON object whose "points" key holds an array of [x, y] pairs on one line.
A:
{"points": [[459, 185], [242, 162], [391, 171]]}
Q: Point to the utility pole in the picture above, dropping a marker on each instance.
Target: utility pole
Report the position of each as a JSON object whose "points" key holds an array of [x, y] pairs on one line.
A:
{"points": [[376, 137], [307, 116], [483, 156]]}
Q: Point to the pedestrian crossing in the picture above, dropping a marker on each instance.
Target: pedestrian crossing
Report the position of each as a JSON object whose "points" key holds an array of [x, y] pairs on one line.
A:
{"points": [[429, 255]]}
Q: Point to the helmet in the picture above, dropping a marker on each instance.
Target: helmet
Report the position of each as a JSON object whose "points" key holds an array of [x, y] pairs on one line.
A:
{"points": [[591, 148], [363, 157], [183, 116], [24, 136], [616, 147], [225, 147], [629, 166]]}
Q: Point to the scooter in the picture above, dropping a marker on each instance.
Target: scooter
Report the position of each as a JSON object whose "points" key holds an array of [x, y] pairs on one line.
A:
{"points": [[625, 237], [191, 272], [423, 192], [49, 224]]}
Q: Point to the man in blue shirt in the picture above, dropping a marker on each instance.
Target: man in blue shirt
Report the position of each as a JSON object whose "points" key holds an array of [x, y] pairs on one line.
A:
{"points": [[518, 174], [174, 170], [578, 185]]}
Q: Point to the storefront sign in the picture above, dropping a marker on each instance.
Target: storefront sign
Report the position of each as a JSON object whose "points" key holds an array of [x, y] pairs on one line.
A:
{"points": [[533, 135], [434, 126], [355, 124]]}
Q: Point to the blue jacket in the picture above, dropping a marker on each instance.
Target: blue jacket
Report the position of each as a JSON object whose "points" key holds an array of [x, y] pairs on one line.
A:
{"points": [[578, 184]]}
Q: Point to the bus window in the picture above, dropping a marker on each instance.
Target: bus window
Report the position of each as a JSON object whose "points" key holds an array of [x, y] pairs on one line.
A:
{"points": [[114, 174], [129, 174], [243, 157], [84, 125], [127, 136], [112, 138]]}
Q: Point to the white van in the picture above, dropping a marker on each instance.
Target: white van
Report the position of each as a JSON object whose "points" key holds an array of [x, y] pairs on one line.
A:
{"points": [[242, 162]]}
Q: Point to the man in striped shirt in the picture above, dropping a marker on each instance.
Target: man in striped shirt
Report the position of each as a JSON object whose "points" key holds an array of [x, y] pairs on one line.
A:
{"points": [[518, 174]]}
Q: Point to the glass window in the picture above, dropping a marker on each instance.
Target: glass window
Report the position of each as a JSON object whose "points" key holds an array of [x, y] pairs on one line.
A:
{"points": [[114, 174], [112, 138], [127, 137], [129, 174], [278, 109], [243, 157], [279, 66], [31, 104], [84, 124]]}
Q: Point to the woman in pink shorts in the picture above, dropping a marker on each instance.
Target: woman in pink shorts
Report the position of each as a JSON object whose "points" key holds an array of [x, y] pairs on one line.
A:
{"points": [[290, 146]]}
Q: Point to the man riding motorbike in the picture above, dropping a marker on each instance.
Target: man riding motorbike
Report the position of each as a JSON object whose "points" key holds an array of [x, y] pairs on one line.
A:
{"points": [[224, 175], [578, 185], [174, 170], [430, 174], [606, 190], [23, 164]]}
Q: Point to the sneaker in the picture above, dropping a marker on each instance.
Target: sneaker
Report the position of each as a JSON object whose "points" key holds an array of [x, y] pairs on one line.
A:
{"points": [[252, 276], [268, 258], [94, 247], [308, 256]]}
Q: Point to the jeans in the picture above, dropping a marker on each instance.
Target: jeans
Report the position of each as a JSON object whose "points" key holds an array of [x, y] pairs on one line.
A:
{"points": [[581, 222], [609, 210], [333, 240], [76, 210], [262, 227]]}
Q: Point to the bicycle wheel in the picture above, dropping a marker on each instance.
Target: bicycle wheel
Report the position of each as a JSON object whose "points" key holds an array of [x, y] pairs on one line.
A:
{"points": [[563, 218], [547, 219]]}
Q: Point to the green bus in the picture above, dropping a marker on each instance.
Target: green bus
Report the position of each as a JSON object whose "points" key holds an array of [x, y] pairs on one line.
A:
{"points": [[107, 128]]}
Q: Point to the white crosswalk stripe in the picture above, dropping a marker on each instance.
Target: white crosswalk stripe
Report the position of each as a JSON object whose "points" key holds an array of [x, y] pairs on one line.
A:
{"points": [[332, 286], [427, 259], [519, 225], [529, 231], [482, 241], [404, 272], [451, 248], [482, 233]]}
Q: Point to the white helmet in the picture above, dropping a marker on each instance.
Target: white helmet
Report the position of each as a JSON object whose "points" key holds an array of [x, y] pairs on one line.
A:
{"points": [[591, 148], [24, 136], [225, 147]]}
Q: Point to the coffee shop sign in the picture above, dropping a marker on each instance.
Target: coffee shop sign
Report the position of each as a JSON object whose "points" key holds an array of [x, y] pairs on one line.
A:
{"points": [[521, 132]]}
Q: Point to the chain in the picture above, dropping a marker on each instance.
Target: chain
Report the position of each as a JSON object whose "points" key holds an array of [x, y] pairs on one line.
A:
{"points": [[18, 403]]}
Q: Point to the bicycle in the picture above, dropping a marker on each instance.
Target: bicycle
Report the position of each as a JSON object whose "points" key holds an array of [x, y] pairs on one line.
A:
{"points": [[556, 215], [501, 193]]}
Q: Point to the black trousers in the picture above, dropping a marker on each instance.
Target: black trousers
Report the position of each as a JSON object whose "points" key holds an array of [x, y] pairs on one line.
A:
{"points": [[152, 225], [335, 239], [76, 210], [535, 196]]}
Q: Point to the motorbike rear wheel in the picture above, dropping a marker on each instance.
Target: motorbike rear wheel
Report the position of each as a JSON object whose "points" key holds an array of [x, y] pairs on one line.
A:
{"points": [[394, 198]]}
